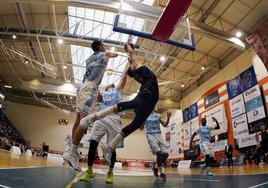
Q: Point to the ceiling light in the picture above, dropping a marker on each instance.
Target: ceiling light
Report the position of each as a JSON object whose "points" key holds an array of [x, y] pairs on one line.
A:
{"points": [[44, 93], [14, 36], [162, 58], [202, 68], [182, 85], [2, 96], [64, 67], [60, 41], [71, 97], [112, 49], [7, 86], [238, 34]]}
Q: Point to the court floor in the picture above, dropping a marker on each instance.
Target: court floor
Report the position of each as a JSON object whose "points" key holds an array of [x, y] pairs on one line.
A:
{"points": [[38, 172]]}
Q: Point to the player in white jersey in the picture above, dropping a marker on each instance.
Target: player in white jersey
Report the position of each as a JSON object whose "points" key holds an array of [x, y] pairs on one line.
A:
{"points": [[204, 143], [158, 146], [110, 125], [86, 96]]}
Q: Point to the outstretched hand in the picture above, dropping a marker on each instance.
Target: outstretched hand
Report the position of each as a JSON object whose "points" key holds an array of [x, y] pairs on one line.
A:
{"points": [[168, 115], [214, 119], [129, 48]]}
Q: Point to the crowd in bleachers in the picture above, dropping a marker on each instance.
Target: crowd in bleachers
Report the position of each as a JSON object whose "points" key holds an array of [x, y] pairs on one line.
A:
{"points": [[9, 135]]}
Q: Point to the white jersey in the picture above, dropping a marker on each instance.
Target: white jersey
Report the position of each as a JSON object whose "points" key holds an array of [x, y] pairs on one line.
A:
{"points": [[95, 68]]}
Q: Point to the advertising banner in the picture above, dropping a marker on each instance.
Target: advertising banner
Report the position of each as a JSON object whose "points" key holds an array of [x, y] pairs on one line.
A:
{"points": [[248, 140], [240, 126], [212, 99]]}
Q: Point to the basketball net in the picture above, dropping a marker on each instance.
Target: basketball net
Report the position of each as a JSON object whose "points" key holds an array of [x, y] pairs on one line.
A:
{"points": [[150, 48]]}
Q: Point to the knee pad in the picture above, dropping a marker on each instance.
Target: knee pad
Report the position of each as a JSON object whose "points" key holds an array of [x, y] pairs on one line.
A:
{"points": [[84, 123]]}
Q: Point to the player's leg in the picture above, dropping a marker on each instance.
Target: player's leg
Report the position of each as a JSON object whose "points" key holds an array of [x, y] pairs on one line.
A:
{"points": [[133, 104], [69, 139], [76, 123], [141, 115], [163, 155], [86, 100], [112, 129], [91, 156], [145, 104], [97, 133], [205, 151], [208, 160], [109, 176], [155, 150]]}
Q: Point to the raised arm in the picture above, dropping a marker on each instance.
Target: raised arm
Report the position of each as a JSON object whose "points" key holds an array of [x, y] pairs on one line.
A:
{"points": [[129, 48], [123, 79], [109, 55], [192, 138], [217, 123], [165, 123]]}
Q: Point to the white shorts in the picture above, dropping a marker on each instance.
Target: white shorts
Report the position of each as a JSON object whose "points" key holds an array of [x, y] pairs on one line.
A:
{"points": [[157, 143], [86, 98], [206, 149], [110, 125]]}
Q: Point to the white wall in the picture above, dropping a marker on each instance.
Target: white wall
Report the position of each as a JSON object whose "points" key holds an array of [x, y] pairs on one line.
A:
{"points": [[39, 125]]}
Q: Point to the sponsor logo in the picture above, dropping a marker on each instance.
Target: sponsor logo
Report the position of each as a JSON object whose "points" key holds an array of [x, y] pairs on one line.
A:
{"points": [[239, 123], [247, 93], [255, 112], [247, 77], [248, 139], [233, 87]]}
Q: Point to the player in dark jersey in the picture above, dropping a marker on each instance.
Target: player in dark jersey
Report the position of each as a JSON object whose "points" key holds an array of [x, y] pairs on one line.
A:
{"points": [[143, 104]]}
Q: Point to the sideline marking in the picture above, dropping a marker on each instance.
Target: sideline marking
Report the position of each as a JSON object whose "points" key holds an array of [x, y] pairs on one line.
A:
{"points": [[189, 179], [3, 186], [73, 180], [27, 167], [258, 185]]}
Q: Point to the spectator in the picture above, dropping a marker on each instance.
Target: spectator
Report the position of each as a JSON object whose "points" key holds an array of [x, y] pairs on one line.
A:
{"points": [[9, 134], [264, 143], [229, 154]]}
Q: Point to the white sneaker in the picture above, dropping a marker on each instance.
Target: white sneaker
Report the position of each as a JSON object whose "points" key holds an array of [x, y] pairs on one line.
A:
{"points": [[107, 152], [72, 160]]}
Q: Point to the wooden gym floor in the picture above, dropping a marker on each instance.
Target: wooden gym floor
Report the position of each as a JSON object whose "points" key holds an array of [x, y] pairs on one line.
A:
{"points": [[18, 171]]}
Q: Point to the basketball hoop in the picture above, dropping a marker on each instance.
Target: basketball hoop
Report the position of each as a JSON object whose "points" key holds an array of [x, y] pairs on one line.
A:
{"points": [[150, 49]]}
